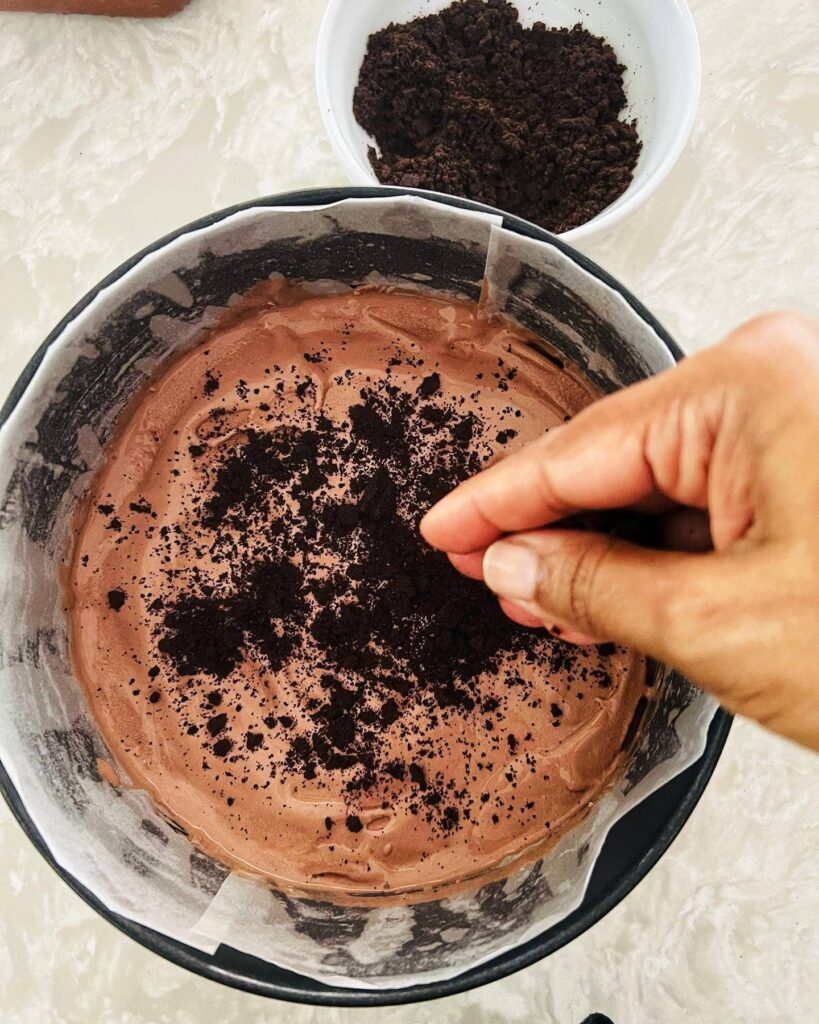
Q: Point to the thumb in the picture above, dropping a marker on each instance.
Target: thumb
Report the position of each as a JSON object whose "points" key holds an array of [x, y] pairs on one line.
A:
{"points": [[679, 608], [741, 623]]}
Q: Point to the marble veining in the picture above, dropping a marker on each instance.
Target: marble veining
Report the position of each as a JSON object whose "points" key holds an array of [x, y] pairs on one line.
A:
{"points": [[113, 133]]}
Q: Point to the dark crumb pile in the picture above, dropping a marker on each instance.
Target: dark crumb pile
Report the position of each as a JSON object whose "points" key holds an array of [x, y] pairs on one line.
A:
{"points": [[320, 569], [393, 623], [470, 103], [294, 651]]}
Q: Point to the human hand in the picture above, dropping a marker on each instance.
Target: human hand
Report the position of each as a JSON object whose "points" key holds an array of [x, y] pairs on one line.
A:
{"points": [[733, 432]]}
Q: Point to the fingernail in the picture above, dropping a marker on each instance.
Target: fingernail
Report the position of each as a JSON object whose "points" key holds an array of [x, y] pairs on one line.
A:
{"points": [[511, 570]]}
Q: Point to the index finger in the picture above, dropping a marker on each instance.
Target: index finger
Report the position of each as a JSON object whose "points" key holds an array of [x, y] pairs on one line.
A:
{"points": [[596, 461]]}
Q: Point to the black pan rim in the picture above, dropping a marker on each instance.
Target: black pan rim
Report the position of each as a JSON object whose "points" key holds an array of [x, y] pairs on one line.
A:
{"points": [[300, 989]]}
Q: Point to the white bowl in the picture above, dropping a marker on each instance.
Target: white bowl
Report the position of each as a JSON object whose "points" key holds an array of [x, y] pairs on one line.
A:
{"points": [[655, 39]]}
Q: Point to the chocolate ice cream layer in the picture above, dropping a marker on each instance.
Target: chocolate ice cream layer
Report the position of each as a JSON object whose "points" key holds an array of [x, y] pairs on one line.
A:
{"points": [[269, 647]]}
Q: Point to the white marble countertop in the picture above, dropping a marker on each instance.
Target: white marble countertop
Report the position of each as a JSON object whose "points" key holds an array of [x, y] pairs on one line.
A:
{"points": [[112, 133]]}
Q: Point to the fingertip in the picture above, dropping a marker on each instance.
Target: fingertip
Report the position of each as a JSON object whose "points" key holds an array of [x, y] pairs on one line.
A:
{"points": [[559, 629], [573, 636], [427, 527], [435, 525], [517, 613], [455, 525], [469, 565]]}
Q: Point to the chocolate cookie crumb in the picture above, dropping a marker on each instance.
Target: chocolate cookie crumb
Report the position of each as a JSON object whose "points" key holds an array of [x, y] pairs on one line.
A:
{"points": [[216, 724], [429, 385], [469, 102]]}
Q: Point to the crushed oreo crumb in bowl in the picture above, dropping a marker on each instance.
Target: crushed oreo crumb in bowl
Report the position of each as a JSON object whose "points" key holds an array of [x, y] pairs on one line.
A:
{"points": [[569, 115], [107, 840]]}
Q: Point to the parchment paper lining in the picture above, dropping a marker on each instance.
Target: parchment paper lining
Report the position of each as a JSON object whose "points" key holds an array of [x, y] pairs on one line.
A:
{"points": [[112, 840]]}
